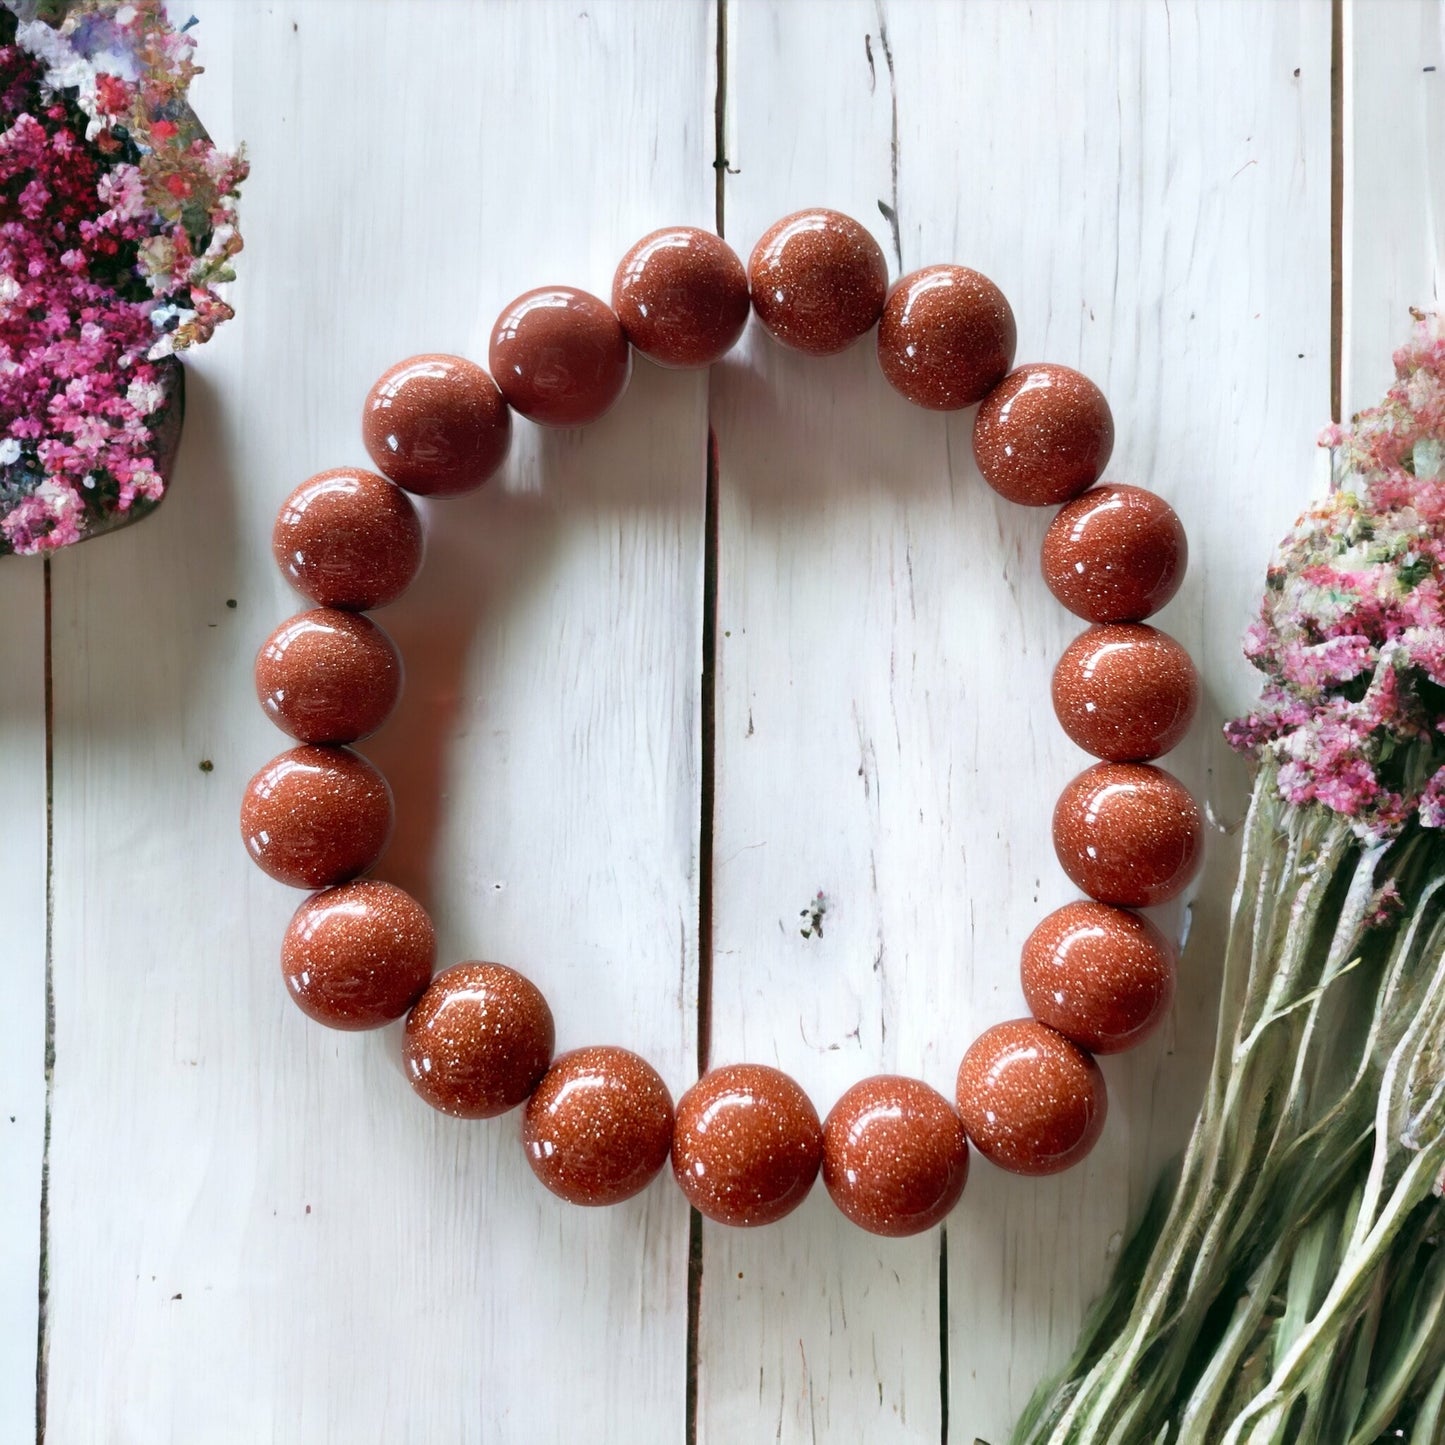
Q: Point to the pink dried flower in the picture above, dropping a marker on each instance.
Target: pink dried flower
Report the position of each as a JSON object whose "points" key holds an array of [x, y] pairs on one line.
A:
{"points": [[119, 221], [1351, 630], [1386, 905]]}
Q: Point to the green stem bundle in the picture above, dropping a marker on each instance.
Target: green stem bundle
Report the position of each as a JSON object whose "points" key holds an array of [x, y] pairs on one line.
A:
{"points": [[1291, 1288]]}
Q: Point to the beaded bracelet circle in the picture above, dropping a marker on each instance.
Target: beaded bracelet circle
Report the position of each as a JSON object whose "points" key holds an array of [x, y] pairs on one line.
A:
{"points": [[745, 1142]]}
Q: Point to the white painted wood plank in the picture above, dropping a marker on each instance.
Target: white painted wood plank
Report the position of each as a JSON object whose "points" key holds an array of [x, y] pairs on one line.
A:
{"points": [[259, 1233], [1394, 224], [22, 976], [1150, 186], [810, 1329]]}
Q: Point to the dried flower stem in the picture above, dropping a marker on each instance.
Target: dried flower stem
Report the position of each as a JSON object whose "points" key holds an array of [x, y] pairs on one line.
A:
{"points": [[1297, 1185]]}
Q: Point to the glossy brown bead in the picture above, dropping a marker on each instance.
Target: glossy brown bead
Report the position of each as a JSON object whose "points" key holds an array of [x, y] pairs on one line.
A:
{"points": [[359, 955], [1129, 834], [478, 1040], [1115, 554], [681, 295], [747, 1145], [1043, 435], [1100, 976], [436, 425], [316, 816], [1031, 1101], [599, 1127], [818, 281], [560, 356], [1125, 692], [348, 538], [328, 676], [946, 337], [895, 1158]]}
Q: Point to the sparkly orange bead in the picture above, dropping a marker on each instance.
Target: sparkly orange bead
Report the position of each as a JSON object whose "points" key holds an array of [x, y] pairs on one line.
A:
{"points": [[1129, 834], [895, 1158], [682, 297], [1125, 692], [560, 356], [316, 816], [436, 425], [747, 1145], [1115, 554], [348, 538], [1031, 1101], [478, 1040], [328, 676], [359, 955], [1101, 976], [946, 337], [818, 281], [599, 1127], [1043, 434]]}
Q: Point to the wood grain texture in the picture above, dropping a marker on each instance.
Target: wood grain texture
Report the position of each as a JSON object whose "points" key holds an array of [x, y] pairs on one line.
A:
{"points": [[22, 981], [256, 1232], [260, 1233], [1394, 212], [1150, 187]]}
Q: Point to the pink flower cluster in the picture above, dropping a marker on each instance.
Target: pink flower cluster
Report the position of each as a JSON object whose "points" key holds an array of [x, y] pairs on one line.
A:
{"points": [[118, 222], [1351, 632]]}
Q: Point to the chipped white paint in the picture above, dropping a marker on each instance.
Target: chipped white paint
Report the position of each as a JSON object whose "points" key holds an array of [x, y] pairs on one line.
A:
{"points": [[256, 1233]]}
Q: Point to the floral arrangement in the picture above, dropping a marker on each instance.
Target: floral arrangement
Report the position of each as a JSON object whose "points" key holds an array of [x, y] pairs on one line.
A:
{"points": [[1351, 634], [117, 222], [1289, 1284]]}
